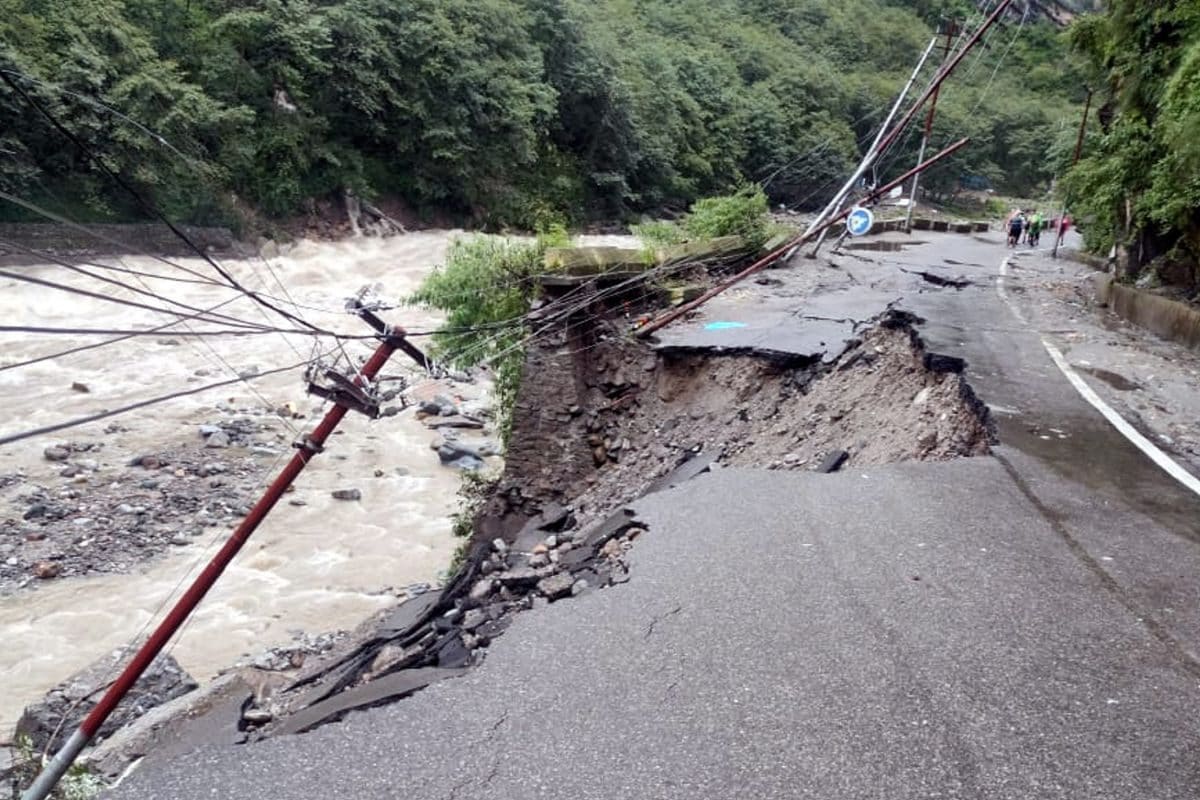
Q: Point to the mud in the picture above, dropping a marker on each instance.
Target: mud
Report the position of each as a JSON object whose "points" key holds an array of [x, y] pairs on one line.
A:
{"points": [[601, 417]]}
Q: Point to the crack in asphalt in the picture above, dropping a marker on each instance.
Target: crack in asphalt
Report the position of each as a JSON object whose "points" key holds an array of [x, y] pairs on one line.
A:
{"points": [[938, 280], [658, 619]]}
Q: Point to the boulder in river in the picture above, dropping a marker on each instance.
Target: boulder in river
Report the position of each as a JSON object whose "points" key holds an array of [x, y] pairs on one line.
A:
{"points": [[75, 697]]}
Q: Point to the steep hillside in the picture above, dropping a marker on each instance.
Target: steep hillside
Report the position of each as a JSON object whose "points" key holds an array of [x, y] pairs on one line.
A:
{"points": [[505, 111]]}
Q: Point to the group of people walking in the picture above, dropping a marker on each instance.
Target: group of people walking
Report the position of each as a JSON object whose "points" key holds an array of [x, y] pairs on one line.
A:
{"points": [[1025, 228]]}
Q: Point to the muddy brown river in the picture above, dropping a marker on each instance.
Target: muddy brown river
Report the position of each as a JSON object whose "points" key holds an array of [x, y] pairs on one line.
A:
{"points": [[317, 567]]}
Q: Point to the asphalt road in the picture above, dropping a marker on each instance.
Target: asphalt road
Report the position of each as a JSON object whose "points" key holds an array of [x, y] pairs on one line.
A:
{"points": [[1017, 626]]}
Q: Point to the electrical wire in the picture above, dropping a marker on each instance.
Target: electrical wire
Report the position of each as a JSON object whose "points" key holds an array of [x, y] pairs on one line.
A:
{"points": [[146, 205], [96, 234], [106, 342], [224, 319], [119, 301], [84, 420]]}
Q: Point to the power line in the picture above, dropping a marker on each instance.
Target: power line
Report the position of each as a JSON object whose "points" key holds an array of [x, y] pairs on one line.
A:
{"points": [[107, 342], [147, 292], [151, 331], [146, 204], [118, 301], [73, 423], [50, 215]]}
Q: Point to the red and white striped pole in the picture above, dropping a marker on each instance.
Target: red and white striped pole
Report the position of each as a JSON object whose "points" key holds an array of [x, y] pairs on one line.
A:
{"points": [[306, 449]]}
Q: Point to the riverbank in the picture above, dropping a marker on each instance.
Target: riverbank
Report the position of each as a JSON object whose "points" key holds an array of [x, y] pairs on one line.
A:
{"points": [[319, 564]]}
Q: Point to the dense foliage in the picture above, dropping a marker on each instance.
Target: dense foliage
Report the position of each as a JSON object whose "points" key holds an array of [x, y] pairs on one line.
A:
{"points": [[1138, 185], [486, 287], [504, 111]]}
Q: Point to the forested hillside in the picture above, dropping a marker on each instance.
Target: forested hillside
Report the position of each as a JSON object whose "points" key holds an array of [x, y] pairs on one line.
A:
{"points": [[501, 111], [1138, 185]]}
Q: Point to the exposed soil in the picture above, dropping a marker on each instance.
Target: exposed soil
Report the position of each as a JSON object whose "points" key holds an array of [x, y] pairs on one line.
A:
{"points": [[602, 416]]}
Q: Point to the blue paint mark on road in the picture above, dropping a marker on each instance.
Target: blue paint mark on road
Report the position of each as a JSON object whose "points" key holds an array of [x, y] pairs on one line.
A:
{"points": [[723, 326]]}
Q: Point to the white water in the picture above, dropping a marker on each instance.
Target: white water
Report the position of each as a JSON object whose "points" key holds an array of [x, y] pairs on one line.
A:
{"points": [[318, 567]]}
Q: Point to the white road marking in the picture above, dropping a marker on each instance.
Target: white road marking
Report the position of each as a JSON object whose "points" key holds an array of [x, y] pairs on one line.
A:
{"points": [[1168, 465]]}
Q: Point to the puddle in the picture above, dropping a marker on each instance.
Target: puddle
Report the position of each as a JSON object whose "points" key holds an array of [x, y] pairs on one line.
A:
{"points": [[1118, 382], [885, 247]]}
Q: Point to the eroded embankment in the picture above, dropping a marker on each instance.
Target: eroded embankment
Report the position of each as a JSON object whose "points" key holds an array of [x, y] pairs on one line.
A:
{"points": [[602, 416], [602, 419]]}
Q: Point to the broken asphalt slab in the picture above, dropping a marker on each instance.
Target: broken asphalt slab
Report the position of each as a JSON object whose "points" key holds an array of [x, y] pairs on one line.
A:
{"points": [[775, 324], [785, 635]]}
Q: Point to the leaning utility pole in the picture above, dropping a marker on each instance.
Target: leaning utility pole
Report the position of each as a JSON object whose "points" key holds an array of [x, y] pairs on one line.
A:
{"points": [[787, 248], [346, 394], [1058, 233], [951, 32], [872, 151], [890, 138]]}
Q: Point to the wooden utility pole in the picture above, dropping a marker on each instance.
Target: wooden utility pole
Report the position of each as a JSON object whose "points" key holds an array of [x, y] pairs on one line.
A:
{"points": [[1058, 233], [951, 31]]}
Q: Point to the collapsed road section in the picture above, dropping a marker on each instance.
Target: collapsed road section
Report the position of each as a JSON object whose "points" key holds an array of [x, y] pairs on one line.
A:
{"points": [[603, 419]]}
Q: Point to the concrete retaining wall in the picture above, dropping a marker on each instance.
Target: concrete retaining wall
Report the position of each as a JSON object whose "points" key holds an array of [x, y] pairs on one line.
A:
{"points": [[1169, 319], [924, 224], [133, 238]]}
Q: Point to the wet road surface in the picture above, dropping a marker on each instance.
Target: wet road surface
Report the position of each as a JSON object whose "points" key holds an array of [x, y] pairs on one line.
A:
{"points": [[1021, 625]]}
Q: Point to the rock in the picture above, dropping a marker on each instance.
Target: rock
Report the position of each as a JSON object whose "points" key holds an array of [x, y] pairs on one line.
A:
{"points": [[257, 716], [179, 540], [579, 587], [556, 585], [452, 451], [248, 372], [539, 548], [76, 386], [45, 570], [388, 656], [262, 450], [217, 440], [90, 464], [922, 397], [928, 441], [519, 576], [539, 560], [56, 453], [466, 463], [70, 471], [499, 545], [70, 701], [209, 430], [473, 619], [481, 590], [430, 407], [346, 494], [611, 548], [552, 541], [599, 456]]}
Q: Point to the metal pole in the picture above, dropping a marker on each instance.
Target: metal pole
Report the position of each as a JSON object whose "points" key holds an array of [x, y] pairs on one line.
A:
{"points": [[951, 30], [872, 153], [1058, 233], [770, 258], [306, 449], [937, 81]]}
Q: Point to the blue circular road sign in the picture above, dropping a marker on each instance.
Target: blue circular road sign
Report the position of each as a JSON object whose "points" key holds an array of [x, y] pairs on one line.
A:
{"points": [[859, 222]]}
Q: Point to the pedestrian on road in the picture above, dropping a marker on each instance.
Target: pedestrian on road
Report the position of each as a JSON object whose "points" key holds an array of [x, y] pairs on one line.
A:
{"points": [[1035, 228], [1016, 226]]}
